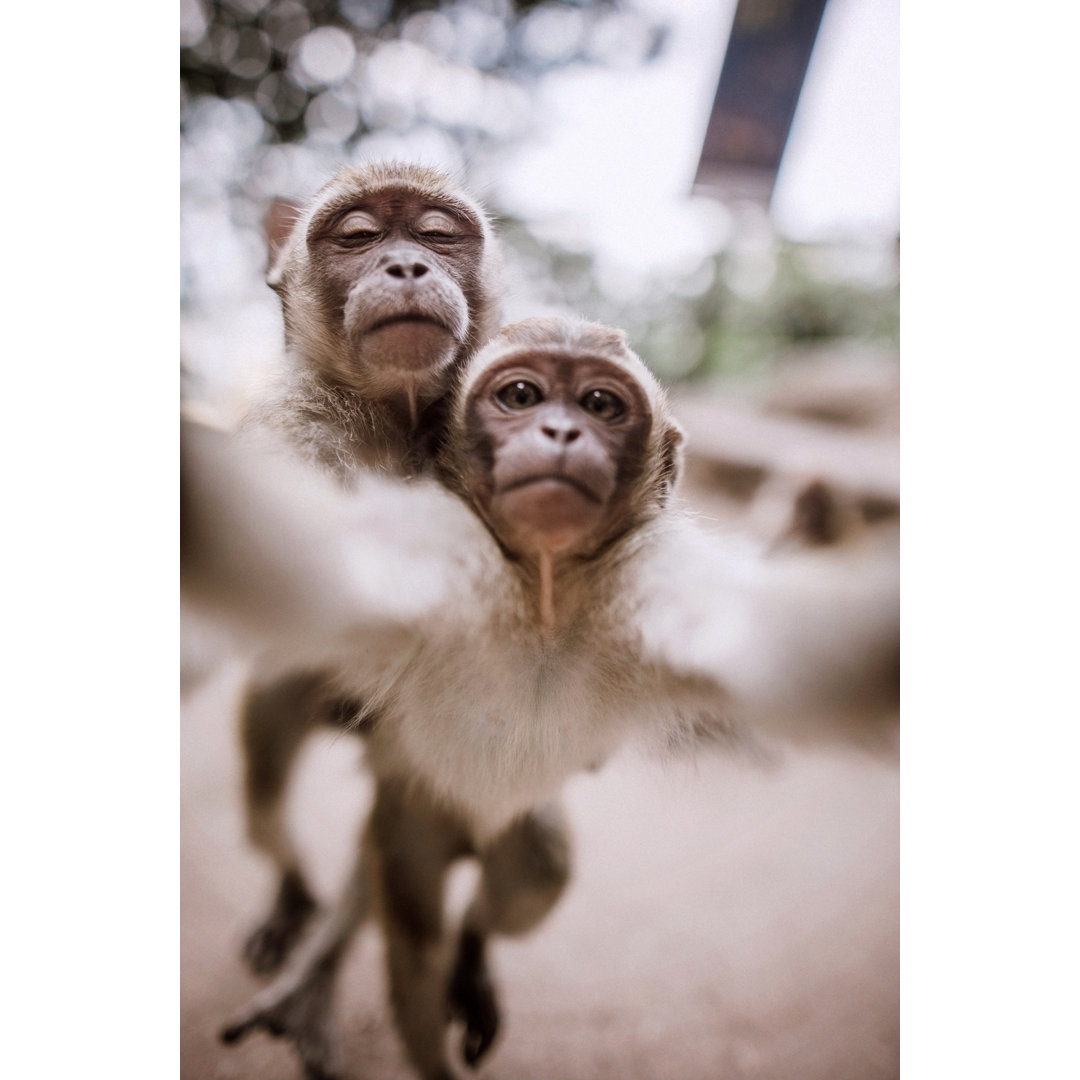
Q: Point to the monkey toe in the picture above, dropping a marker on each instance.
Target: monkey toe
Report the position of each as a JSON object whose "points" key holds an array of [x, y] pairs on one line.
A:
{"points": [[472, 998], [477, 1041]]}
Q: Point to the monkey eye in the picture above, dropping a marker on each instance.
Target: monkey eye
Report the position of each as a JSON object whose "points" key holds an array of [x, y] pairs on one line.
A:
{"points": [[359, 226], [519, 395], [603, 404], [437, 226]]}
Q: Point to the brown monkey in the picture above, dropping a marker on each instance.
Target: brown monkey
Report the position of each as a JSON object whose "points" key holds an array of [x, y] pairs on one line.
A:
{"points": [[389, 279], [577, 614]]}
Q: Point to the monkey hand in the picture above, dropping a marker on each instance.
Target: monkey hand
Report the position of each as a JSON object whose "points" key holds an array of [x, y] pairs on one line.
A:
{"points": [[804, 647]]}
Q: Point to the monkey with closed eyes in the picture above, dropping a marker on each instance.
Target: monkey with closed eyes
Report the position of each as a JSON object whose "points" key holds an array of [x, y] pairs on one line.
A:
{"points": [[563, 609], [389, 279]]}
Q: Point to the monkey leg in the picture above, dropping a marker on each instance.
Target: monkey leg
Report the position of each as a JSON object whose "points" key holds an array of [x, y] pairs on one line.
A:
{"points": [[276, 719], [524, 872], [413, 844], [299, 1003]]}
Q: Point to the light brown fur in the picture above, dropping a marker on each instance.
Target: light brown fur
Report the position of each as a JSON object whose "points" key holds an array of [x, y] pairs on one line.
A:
{"points": [[386, 241], [343, 405], [488, 696]]}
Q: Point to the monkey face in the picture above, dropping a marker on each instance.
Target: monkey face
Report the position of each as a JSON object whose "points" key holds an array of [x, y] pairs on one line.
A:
{"points": [[382, 281], [558, 442]]}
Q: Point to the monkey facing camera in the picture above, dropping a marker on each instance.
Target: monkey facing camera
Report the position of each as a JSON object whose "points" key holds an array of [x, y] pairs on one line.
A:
{"points": [[559, 441], [566, 608]]}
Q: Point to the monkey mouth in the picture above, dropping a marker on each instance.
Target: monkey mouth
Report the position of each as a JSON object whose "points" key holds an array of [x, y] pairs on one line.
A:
{"points": [[408, 318], [553, 478]]}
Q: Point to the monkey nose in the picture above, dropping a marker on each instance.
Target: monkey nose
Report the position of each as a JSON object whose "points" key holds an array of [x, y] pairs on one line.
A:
{"points": [[563, 433], [405, 270]]}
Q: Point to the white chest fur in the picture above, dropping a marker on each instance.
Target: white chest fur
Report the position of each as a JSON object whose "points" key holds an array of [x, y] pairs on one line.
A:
{"points": [[494, 723]]}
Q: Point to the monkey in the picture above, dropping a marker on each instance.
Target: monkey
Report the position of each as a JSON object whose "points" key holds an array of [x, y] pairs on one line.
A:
{"points": [[389, 278], [563, 608]]}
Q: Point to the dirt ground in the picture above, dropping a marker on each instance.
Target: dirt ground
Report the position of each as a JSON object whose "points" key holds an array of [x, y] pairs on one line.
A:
{"points": [[727, 919]]}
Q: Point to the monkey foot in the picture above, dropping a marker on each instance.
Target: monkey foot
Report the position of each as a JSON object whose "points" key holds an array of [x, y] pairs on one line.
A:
{"points": [[268, 946], [300, 1011], [472, 999]]}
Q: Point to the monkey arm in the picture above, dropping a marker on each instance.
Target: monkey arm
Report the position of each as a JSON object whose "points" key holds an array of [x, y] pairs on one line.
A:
{"points": [[805, 647], [282, 558]]}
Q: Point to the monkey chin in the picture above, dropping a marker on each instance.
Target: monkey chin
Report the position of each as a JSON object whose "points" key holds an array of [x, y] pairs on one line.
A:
{"points": [[408, 357], [551, 517], [410, 344]]}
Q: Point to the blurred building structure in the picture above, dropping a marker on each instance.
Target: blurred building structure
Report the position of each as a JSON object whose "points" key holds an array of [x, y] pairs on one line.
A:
{"points": [[765, 64]]}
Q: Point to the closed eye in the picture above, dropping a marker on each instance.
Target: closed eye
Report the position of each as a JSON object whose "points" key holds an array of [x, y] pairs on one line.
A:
{"points": [[435, 225], [358, 225]]}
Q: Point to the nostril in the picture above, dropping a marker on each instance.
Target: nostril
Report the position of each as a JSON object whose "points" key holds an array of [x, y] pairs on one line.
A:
{"points": [[560, 434], [403, 271]]}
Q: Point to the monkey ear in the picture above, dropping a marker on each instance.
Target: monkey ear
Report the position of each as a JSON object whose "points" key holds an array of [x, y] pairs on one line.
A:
{"points": [[277, 228], [671, 458]]}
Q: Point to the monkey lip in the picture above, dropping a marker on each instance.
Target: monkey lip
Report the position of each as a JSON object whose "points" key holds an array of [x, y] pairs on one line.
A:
{"points": [[558, 479], [408, 318]]}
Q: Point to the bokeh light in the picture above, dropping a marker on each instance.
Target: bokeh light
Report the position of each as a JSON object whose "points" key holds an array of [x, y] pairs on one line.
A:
{"points": [[278, 93]]}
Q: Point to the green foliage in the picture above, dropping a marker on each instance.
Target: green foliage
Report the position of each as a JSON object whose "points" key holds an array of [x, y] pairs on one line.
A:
{"points": [[738, 312]]}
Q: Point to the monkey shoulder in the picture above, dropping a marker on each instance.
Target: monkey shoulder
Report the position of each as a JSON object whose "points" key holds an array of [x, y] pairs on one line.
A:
{"points": [[331, 427]]}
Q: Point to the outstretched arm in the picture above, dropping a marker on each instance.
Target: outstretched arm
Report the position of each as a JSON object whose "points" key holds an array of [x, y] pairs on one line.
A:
{"points": [[274, 552], [803, 645]]}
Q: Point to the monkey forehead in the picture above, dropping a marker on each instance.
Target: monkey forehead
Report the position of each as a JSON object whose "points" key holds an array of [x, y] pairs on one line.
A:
{"points": [[356, 183]]}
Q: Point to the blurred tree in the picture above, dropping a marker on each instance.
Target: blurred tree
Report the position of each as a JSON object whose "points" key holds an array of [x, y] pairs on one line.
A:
{"points": [[305, 64], [737, 312], [275, 94]]}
